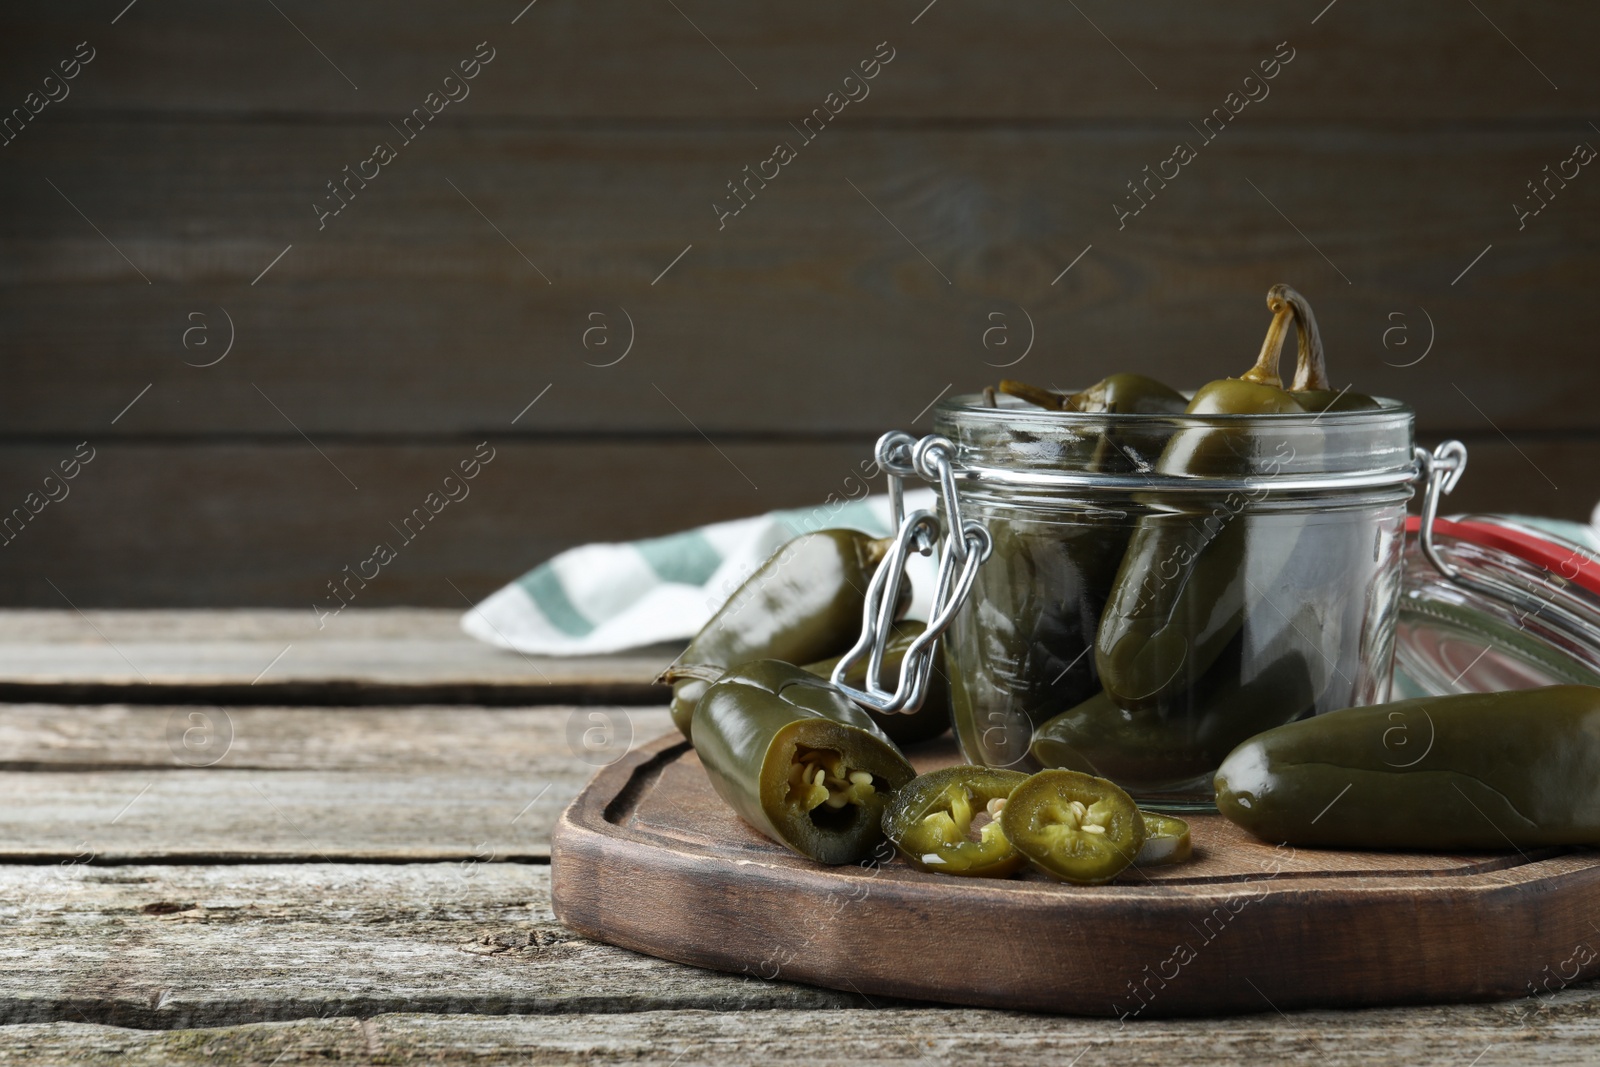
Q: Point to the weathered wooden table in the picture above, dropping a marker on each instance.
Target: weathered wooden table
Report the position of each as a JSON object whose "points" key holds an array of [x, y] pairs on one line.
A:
{"points": [[228, 836]]}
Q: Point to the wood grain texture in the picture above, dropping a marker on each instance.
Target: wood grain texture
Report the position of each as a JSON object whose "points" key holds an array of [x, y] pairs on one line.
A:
{"points": [[408, 315], [280, 523], [114, 785], [169, 947], [1554, 1033], [614, 59], [1242, 925], [362, 655], [1386, 158]]}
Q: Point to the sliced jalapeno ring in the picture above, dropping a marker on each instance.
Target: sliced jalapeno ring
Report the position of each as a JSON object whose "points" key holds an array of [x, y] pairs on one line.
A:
{"points": [[1073, 826], [1166, 840], [948, 821]]}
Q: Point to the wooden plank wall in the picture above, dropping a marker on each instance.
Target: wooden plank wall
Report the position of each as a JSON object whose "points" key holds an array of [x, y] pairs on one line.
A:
{"points": [[563, 207]]}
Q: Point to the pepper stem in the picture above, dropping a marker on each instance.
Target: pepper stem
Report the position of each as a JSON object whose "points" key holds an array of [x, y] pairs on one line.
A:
{"points": [[682, 672], [873, 551], [1265, 371], [1311, 371], [1045, 398]]}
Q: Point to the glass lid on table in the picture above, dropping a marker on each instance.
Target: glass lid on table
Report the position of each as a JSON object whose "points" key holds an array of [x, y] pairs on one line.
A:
{"points": [[1496, 602]]}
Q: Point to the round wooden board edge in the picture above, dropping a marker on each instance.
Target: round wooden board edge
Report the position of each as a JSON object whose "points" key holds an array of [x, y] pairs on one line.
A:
{"points": [[1384, 941]]}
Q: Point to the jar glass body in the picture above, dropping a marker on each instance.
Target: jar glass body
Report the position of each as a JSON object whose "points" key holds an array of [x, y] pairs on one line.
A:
{"points": [[1160, 589], [1521, 624]]}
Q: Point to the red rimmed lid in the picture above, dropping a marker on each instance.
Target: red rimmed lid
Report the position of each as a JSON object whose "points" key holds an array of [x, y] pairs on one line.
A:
{"points": [[1509, 606], [1560, 557]]}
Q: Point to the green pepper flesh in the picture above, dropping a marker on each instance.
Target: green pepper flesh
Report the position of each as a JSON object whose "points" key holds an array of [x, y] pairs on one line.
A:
{"points": [[947, 821], [1166, 840], [1073, 826]]}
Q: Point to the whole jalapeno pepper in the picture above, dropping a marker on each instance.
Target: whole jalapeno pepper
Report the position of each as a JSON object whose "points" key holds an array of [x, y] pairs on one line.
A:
{"points": [[948, 821], [1018, 652], [1073, 826], [798, 760], [1044, 586], [928, 721], [802, 604], [1473, 771], [1180, 593], [1116, 446], [1168, 747]]}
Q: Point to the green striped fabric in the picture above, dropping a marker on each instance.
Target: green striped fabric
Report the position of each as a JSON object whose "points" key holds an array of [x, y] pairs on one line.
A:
{"points": [[609, 597]]}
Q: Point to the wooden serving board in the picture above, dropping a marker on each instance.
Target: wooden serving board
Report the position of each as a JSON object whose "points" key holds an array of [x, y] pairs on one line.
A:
{"points": [[648, 857]]}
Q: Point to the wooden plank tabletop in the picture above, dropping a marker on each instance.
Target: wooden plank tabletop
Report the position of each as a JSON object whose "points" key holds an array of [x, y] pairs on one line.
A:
{"points": [[279, 881], [392, 655]]}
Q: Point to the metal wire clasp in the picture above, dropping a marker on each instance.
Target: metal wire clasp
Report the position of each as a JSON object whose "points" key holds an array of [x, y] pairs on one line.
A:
{"points": [[966, 545], [1440, 470]]}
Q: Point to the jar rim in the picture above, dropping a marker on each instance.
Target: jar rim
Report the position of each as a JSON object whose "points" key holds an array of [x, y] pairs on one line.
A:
{"points": [[1019, 446], [972, 405]]}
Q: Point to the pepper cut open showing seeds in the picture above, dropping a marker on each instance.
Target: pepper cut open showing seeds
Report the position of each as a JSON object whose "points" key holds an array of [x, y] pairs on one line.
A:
{"points": [[798, 760], [948, 821], [1073, 826], [819, 778]]}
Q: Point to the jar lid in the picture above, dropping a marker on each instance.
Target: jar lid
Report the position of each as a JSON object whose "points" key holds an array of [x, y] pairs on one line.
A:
{"points": [[1496, 602]]}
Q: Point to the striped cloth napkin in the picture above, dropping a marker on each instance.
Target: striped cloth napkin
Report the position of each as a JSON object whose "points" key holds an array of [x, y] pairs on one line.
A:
{"points": [[610, 597]]}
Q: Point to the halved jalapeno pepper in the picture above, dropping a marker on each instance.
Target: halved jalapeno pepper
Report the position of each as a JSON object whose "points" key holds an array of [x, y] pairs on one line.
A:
{"points": [[1166, 840], [1073, 826], [797, 760], [948, 821]]}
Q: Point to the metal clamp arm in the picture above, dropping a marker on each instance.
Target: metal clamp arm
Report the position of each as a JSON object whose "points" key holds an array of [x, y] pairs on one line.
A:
{"points": [[965, 546]]}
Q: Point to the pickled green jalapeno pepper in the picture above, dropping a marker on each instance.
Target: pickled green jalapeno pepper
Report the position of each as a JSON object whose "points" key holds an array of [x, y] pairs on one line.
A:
{"points": [[1120, 394], [1063, 573], [948, 821], [1023, 642], [928, 721], [1172, 744], [1473, 771], [1166, 840], [802, 604], [1179, 596], [1073, 826], [798, 760]]}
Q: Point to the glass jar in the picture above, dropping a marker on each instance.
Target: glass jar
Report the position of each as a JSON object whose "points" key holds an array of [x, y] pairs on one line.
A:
{"points": [[1161, 588]]}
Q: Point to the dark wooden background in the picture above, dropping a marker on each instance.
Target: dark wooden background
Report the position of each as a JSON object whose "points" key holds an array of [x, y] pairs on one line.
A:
{"points": [[377, 352]]}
